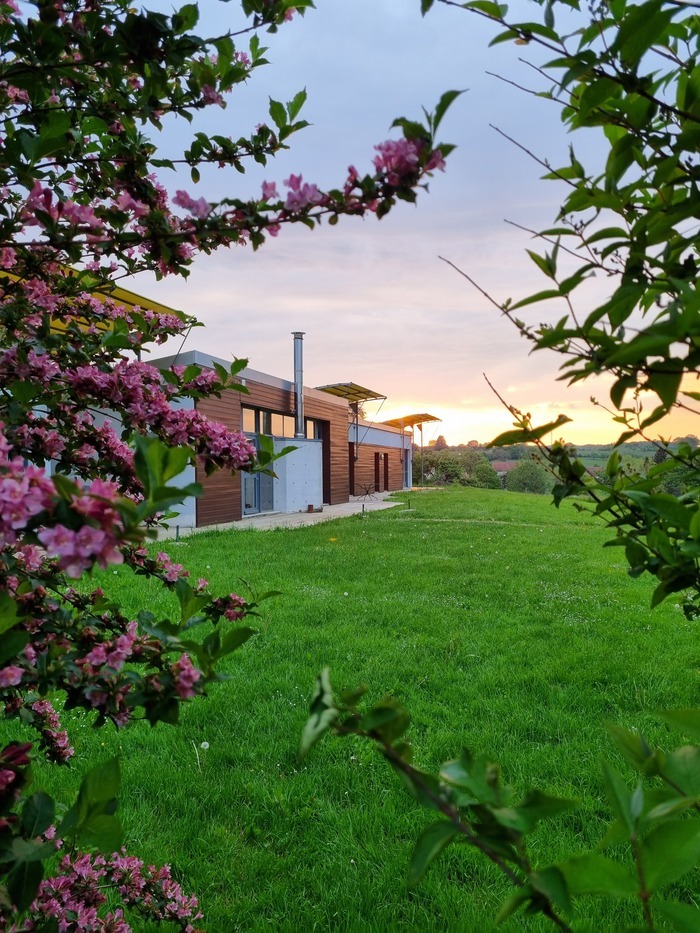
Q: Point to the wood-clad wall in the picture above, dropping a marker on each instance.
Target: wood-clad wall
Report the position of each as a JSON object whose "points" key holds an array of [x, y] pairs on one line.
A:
{"points": [[365, 468], [221, 498]]}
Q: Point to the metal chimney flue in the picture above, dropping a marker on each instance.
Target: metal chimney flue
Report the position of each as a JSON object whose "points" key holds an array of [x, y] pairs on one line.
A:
{"points": [[299, 382]]}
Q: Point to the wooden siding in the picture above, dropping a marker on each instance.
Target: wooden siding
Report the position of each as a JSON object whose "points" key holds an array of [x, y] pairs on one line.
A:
{"points": [[365, 468], [221, 498]]}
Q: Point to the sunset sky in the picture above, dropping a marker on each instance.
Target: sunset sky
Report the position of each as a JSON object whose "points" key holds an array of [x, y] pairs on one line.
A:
{"points": [[377, 304]]}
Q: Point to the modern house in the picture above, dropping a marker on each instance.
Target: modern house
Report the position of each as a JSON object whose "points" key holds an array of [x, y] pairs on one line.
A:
{"points": [[337, 455]]}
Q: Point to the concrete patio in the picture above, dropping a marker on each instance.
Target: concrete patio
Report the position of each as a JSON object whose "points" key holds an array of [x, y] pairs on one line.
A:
{"points": [[268, 520]]}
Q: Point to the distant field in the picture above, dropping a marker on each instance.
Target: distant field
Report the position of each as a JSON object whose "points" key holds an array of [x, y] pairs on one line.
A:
{"points": [[499, 621]]}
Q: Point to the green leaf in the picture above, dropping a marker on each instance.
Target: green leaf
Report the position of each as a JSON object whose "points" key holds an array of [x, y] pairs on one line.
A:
{"points": [[682, 768], [8, 612], [477, 775], [666, 386], [23, 883], [446, 100], [388, 719], [185, 18], [523, 435], [669, 851], [295, 105], [522, 895], [430, 843], [536, 806], [323, 713], [545, 263], [234, 639], [101, 831], [635, 749], [686, 720], [11, 643], [619, 796], [642, 27], [596, 874], [37, 814], [278, 114], [683, 917], [190, 602], [101, 784], [551, 883]]}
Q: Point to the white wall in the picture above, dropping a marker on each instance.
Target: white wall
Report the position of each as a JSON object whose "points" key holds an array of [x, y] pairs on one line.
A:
{"points": [[299, 482]]}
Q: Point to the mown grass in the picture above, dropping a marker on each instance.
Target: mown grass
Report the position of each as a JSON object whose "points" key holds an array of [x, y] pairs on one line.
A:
{"points": [[500, 622]]}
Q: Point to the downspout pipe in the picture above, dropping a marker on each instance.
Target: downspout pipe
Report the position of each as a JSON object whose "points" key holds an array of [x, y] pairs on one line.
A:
{"points": [[299, 383]]}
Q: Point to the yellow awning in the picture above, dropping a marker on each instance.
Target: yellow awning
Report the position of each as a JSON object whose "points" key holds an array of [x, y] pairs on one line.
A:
{"points": [[410, 421]]}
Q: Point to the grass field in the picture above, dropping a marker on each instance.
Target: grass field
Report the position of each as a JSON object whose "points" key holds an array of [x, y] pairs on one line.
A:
{"points": [[500, 622]]}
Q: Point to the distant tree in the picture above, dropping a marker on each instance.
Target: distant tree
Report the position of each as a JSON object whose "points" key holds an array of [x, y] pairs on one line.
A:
{"points": [[440, 443], [440, 468], [508, 452], [484, 476], [529, 476], [469, 458], [473, 444]]}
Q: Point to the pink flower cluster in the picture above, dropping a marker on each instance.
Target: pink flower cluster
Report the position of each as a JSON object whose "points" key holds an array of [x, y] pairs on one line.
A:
{"points": [[231, 607], [185, 676], [200, 208], [301, 194], [111, 654], [144, 397], [25, 492], [73, 898], [96, 542], [171, 572], [41, 201], [53, 738], [400, 160]]}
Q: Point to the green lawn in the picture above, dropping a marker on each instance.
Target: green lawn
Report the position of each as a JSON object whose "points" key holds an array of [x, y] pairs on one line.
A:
{"points": [[499, 621]]}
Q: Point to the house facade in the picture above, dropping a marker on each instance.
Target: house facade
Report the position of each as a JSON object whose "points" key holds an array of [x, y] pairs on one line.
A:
{"points": [[336, 456]]}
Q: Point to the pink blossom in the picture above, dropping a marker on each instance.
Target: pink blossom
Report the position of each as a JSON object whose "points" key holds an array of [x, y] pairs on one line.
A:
{"points": [[10, 676], [200, 208], [211, 96], [398, 159], [8, 257], [185, 676], [301, 194]]}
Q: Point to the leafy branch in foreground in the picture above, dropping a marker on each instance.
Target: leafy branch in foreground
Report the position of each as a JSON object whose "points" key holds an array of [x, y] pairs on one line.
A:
{"points": [[653, 844]]}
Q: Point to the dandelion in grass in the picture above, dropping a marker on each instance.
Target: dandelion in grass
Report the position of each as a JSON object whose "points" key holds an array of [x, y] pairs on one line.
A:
{"points": [[204, 746]]}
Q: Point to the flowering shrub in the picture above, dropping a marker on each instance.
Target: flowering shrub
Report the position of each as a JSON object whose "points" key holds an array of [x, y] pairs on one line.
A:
{"points": [[92, 438]]}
